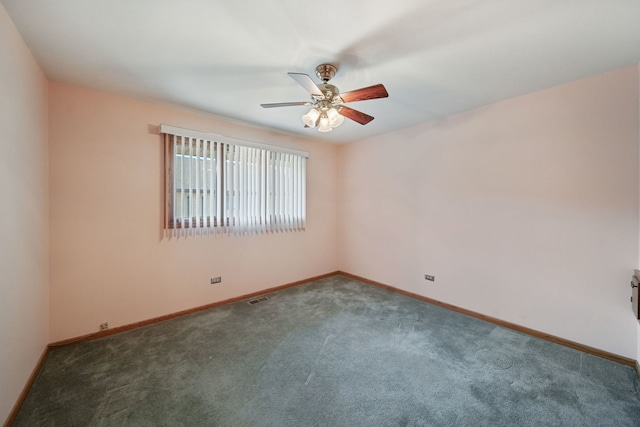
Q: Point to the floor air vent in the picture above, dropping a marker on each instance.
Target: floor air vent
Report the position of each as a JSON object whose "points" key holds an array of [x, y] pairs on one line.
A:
{"points": [[257, 300]]}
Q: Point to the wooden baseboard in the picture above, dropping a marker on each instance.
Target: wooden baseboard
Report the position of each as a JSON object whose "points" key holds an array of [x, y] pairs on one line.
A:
{"points": [[577, 346], [548, 337], [16, 407], [538, 334], [135, 325]]}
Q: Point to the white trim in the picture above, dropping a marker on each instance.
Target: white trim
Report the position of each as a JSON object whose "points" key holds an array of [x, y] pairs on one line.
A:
{"points": [[173, 130]]}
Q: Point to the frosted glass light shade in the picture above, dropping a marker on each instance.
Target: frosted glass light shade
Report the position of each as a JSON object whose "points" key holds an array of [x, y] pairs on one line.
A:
{"points": [[311, 118], [324, 124], [335, 118]]}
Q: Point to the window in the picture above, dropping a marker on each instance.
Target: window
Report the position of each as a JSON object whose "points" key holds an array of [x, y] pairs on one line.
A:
{"points": [[216, 184]]}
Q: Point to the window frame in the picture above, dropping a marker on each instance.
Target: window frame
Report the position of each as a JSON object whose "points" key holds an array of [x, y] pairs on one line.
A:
{"points": [[226, 147]]}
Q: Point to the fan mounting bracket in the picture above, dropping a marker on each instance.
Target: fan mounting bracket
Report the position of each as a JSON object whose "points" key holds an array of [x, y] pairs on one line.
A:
{"points": [[325, 72]]}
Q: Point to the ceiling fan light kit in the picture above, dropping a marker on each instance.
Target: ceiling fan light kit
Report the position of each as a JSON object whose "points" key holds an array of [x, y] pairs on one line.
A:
{"points": [[328, 111], [311, 118]]}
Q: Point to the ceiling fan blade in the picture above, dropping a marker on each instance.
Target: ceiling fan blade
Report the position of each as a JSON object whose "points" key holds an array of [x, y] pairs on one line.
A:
{"points": [[306, 82], [285, 104], [371, 92], [355, 115]]}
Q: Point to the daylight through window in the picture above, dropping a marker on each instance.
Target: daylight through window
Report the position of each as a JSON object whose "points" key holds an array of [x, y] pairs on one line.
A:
{"points": [[216, 184]]}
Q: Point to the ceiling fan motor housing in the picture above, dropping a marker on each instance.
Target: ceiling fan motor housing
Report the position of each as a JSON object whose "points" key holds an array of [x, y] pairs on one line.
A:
{"points": [[329, 91], [331, 98]]}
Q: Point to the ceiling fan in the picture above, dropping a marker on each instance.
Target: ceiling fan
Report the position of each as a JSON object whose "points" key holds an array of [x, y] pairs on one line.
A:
{"points": [[328, 109]]}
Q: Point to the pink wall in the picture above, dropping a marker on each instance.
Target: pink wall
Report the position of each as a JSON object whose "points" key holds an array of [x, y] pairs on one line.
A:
{"points": [[108, 260], [525, 210], [24, 234]]}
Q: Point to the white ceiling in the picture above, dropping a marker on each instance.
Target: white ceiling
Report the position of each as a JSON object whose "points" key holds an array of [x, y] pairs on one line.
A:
{"points": [[225, 58]]}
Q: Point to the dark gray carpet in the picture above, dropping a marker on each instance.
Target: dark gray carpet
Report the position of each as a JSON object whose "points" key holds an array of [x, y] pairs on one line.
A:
{"points": [[335, 352]]}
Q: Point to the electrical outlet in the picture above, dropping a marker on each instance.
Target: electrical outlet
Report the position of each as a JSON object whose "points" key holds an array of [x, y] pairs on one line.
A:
{"points": [[215, 280], [431, 278], [104, 326]]}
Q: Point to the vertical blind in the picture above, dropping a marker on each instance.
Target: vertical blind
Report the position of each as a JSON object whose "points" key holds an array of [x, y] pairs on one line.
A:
{"points": [[220, 185]]}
